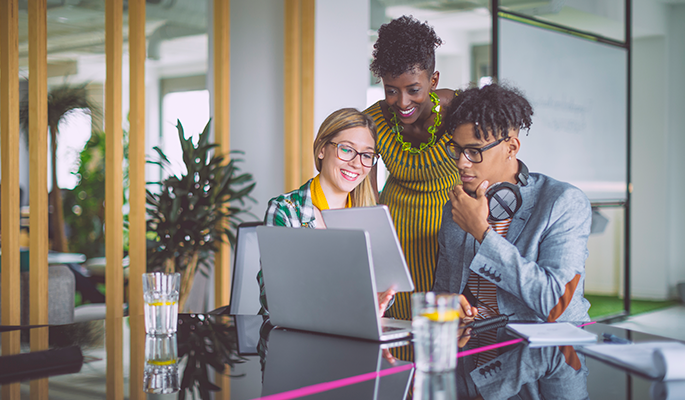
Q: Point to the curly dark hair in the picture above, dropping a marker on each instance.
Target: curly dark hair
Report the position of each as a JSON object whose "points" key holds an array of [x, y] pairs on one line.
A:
{"points": [[404, 44], [494, 108]]}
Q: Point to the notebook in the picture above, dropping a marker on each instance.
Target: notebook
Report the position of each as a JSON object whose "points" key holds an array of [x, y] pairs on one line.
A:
{"points": [[553, 334], [322, 280], [389, 264], [296, 360]]}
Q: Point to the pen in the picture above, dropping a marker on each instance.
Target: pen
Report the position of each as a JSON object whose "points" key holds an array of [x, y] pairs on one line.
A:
{"points": [[608, 337]]}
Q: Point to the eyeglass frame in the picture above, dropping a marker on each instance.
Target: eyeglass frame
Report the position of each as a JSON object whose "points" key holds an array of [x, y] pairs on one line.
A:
{"points": [[361, 160], [451, 145]]}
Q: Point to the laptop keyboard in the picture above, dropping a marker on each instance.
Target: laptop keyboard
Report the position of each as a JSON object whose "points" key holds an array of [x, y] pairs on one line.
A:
{"points": [[391, 329]]}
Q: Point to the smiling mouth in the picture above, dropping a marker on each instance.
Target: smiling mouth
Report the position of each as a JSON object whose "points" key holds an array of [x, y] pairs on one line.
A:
{"points": [[407, 113], [348, 174]]}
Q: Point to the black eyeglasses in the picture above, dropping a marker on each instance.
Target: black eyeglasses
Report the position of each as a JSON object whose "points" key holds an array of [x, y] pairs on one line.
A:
{"points": [[347, 153], [473, 154]]}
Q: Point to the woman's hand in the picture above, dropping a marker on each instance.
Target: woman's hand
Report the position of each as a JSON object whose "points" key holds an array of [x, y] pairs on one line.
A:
{"points": [[468, 314], [464, 336], [384, 299], [388, 356]]}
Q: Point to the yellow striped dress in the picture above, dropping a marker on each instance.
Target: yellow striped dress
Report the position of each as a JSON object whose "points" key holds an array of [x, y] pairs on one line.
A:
{"points": [[415, 193]]}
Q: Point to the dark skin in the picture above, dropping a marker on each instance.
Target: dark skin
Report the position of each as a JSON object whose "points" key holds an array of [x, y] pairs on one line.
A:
{"points": [[499, 165], [411, 91]]}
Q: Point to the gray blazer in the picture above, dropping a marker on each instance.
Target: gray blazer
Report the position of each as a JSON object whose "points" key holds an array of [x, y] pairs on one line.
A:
{"points": [[553, 372], [539, 268]]}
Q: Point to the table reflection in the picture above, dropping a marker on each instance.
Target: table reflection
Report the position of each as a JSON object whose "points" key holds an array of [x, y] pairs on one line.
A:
{"points": [[161, 365], [319, 365], [205, 342], [555, 372], [298, 360], [435, 385]]}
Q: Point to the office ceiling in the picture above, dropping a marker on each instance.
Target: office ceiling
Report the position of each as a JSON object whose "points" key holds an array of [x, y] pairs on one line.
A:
{"points": [[77, 27]]}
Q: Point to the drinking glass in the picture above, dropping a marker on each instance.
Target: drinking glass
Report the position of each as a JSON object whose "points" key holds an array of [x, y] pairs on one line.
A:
{"points": [[434, 324], [435, 385], [160, 292], [161, 365]]}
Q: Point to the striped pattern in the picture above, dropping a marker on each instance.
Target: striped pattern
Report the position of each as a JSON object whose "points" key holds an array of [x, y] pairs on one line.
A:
{"points": [[415, 193], [486, 293]]}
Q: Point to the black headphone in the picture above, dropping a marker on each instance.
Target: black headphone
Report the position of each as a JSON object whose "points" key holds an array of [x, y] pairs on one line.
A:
{"points": [[504, 198]]}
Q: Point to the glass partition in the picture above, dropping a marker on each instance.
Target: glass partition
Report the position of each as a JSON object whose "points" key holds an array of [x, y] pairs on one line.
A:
{"points": [[571, 60], [605, 18], [464, 56]]}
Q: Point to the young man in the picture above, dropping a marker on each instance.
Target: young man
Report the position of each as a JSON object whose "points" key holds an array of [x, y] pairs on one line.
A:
{"points": [[526, 257]]}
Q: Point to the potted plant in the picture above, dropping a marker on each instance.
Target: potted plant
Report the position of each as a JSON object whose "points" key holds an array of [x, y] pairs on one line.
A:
{"points": [[84, 206], [62, 101], [189, 215]]}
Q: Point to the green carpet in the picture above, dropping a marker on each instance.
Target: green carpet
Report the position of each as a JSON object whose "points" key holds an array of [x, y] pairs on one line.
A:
{"points": [[608, 305]]}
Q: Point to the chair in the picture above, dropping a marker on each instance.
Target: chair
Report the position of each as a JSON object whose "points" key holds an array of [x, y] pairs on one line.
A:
{"points": [[61, 289], [246, 265]]}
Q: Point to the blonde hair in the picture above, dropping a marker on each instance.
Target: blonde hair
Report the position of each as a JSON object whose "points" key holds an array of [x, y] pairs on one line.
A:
{"points": [[343, 119]]}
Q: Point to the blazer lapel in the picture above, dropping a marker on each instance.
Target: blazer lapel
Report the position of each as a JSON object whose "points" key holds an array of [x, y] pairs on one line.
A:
{"points": [[520, 219], [470, 248]]}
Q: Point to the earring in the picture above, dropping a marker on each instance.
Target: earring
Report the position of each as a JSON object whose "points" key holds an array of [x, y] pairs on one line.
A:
{"points": [[510, 157]]}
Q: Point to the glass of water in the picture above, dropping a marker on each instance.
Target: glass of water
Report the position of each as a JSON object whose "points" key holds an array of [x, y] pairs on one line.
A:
{"points": [[435, 324], [160, 292], [161, 365], [435, 385]]}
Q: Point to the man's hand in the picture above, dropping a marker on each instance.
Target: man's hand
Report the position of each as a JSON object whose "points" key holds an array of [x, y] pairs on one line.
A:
{"points": [[384, 299], [470, 214]]}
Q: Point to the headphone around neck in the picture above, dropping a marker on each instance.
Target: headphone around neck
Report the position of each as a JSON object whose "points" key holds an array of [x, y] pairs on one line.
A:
{"points": [[504, 198]]}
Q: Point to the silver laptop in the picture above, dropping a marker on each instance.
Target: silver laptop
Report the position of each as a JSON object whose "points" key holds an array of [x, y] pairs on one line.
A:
{"points": [[322, 280], [299, 359], [389, 264]]}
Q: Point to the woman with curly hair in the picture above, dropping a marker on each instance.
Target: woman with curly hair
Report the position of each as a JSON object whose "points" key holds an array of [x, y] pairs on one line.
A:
{"points": [[412, 142]]}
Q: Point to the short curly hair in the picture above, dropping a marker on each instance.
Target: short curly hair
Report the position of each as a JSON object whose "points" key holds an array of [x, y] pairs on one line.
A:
{"points": [[404, 44], [494, 108]]}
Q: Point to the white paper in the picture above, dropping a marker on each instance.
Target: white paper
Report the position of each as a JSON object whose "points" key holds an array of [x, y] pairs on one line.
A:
{"points": [[670, 362], [673, 390], [660, 360], [553, 334]]}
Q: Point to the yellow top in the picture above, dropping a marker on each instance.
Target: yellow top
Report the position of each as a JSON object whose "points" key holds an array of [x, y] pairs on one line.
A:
{"points": [[319, 197], [415, 193]]}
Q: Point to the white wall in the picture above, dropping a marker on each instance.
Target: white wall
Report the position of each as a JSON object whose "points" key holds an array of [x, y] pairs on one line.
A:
{"points": [[341, 57], [257, 94], [649, 250], [658, 137], [604, 266], [676, 144]]}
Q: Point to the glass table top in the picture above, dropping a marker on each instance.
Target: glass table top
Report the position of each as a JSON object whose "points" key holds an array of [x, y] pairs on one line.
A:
{"points": [[273, 363]]}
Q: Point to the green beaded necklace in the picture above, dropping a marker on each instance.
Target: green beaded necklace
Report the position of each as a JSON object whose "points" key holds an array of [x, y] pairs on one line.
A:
{"points": [[397, 129]]}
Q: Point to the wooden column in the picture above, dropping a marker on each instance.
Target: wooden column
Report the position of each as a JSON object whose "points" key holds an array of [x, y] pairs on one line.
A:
{"points": [[114, 276], [307, 108], [222, 135], [222, 126], [38, 189], [292, 106], [9, 145], [299, 91], [136, 157]]}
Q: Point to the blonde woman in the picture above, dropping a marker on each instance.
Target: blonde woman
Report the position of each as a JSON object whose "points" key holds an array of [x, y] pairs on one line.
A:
{"points": [[344, 153]]}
